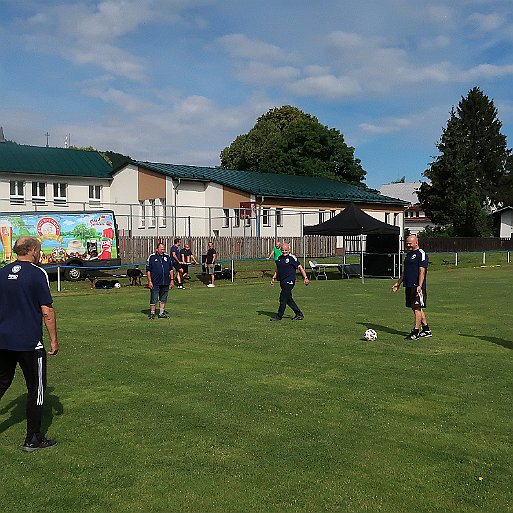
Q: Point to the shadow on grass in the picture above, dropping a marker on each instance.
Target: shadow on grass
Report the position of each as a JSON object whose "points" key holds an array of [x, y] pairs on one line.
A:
{"points": [[386, 329], [16, 408], [494, 340], [269, 314]]}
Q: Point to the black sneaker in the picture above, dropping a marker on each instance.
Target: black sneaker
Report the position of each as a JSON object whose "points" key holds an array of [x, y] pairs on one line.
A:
{"points": [[425, 333], [298, 317], [151, 316], [275, 319], [38, 443], [163, 316], [414, 335]]}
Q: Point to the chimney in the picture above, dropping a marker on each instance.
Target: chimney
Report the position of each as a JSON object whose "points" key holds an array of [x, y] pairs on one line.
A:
{"points": [[2, 138]]}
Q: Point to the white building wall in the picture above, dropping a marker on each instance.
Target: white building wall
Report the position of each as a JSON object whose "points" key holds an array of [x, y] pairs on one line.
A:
{"points": [[77, 193], [192, 208], [506, 229]]}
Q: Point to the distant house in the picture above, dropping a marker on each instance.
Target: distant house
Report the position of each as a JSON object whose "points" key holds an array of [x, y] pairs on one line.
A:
{"points": [[504, 217], [415, 219], [158, 199], [38, 178]]}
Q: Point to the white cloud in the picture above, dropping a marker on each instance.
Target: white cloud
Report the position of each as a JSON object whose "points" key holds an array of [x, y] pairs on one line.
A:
{"points": [[128, 103], [242, 47], [258, 73], [386, 126], [325, 86], [486, 72], [487, 22], [92, 33], [435, 43]]}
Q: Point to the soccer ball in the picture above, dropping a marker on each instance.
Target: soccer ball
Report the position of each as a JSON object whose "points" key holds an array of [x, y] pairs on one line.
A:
{"points": [[117, 285], [370, 335]]}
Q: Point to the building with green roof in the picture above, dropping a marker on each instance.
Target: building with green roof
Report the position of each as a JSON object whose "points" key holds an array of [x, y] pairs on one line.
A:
{"points": [[161, 199], [224, 202], [33, 177]]}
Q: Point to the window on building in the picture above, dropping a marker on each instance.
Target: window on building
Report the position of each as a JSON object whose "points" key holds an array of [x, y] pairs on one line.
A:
{"points": [[60, 193], [17, 191], [266, 217], [387, 217], [396, 219], [321, 216], [279, 217], [226, 217], [142, 215], [163, 219], [236, 217], [38, 192], [95, 192], [153, 214], [333, 213]]}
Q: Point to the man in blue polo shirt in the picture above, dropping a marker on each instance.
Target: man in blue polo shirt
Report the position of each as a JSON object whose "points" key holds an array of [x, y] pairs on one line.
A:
{"points": [[159, 268], [286, 267], [414, 280], [25, 301]]}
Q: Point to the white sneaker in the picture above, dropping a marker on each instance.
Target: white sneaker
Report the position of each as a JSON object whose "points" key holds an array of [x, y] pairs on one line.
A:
{"points": [[210, 285]]}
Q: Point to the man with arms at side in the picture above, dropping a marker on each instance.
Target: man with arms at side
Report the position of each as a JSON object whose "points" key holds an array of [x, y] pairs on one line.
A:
{"points": [[286, 267], [210, 263], [176, 260], [25, 302], [159, 269], [413, 279]]}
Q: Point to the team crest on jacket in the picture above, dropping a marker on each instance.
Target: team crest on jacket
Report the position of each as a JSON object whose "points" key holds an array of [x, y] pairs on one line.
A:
{"points": [[16, 268]]}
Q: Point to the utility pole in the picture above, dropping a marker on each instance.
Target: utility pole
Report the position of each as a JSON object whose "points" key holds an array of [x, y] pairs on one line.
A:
{"points": [[47, 138]]}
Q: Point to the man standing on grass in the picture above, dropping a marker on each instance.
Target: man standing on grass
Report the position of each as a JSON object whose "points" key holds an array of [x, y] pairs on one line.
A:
{"points": [[414, 279], [286, 267], [211, 263], [159, 269], [25, 302], [176, 260]]}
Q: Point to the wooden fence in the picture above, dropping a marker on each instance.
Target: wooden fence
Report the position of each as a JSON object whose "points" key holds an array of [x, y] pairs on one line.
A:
{"points": [[134, 250]]}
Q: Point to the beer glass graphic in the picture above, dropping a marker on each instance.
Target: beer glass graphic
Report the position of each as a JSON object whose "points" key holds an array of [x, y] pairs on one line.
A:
{"points": [[6, 238]]}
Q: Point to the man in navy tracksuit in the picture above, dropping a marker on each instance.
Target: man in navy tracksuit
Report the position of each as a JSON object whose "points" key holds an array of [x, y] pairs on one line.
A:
{"points": [[159, 268], [414, 280], [286, 267], [25, 302]]}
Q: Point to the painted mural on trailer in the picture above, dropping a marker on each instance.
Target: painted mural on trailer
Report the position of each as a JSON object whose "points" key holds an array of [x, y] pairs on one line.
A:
{"points": [[83, 235]]}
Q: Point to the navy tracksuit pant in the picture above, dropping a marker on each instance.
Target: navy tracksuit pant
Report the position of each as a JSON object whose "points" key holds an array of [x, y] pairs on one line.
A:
{"points": [[33, 366]]}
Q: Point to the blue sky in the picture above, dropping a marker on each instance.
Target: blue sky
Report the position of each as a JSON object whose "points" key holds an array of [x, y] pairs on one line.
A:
{"points": [[176, 81]]}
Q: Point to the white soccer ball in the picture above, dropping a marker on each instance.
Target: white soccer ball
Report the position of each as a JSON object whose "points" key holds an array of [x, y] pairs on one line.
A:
{"points": [[117, 285], [370, 335]]}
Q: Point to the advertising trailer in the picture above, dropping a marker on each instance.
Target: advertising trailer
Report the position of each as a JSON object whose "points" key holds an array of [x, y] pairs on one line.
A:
{"points": [[75, 240]]}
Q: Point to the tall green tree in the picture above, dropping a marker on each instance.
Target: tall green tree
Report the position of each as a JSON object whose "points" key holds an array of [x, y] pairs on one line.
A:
{"points": [[286, 140], [472, 172]]}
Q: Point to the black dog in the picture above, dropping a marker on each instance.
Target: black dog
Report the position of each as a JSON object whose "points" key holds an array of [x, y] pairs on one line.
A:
{"points": [[106, 284], [135, 276]]}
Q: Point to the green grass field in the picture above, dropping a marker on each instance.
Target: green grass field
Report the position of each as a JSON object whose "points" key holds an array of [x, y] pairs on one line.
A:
{"points": [[219, 410]]}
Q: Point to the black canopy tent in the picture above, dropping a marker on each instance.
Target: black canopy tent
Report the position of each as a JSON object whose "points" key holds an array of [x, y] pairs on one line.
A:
{"points": [[353, 221]]}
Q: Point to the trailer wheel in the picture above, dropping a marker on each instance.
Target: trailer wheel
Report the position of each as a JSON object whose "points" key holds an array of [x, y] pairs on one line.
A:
{"points": [[74, 273]]}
